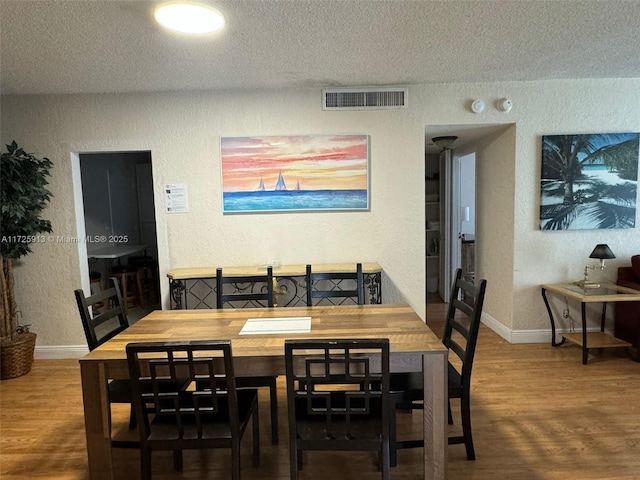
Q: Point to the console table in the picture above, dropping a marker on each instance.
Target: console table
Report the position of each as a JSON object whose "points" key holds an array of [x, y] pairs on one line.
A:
{"points": [[195, 287], [606, 292]]}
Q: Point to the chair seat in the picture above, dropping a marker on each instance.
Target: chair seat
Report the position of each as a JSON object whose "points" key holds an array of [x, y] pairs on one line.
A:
{"points": [[250, 382], [120, 391], [215, 426], [412, 384]]}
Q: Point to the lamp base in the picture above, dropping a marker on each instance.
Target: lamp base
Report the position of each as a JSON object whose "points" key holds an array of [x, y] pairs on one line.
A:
{"points": [[585, 284]]}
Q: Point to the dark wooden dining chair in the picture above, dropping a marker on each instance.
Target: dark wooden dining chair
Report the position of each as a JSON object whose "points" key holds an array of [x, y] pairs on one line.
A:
{"points": [[240, 291], [335, 288], [102, 315], [211, 413], [337, 398], [103, 318], [146, 278], [462, 325]]}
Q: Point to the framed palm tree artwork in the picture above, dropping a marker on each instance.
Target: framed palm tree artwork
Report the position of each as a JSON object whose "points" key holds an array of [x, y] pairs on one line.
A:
{"points": [[589, 181]]}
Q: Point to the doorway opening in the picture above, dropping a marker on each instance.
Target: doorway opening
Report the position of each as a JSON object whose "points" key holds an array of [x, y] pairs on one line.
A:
{"points": [[463, 210], [119, 224], [451, 239]]}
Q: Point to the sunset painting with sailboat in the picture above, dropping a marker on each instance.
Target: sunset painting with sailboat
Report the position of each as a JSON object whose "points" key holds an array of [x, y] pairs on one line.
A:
{"points": [[295, 173]]}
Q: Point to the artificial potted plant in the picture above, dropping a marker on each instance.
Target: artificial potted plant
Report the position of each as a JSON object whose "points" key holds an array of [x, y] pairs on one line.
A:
{"points": [[23, 181]]}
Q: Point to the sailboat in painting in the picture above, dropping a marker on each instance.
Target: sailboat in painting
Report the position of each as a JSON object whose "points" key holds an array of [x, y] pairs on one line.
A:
{"points": [[298, 185], [261, 185], [280, 185]]}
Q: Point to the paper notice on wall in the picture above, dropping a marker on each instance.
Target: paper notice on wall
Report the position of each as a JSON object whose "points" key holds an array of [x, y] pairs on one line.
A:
{"points": [[176, 198]]}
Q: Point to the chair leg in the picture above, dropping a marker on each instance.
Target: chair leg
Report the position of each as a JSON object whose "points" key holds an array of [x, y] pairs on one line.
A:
{"points": [[450, 417], [177, 459], [145, 464], [466, 426], [132, 419], [256, 436], [139, 280], [393, 448], [386, 471], [293, 460], [235, 459], [273, 401], [123, 289]]}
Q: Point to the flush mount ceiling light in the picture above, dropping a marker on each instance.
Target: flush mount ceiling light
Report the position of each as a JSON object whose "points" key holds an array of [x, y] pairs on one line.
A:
{"points": [[189, 17], [445, 141]]}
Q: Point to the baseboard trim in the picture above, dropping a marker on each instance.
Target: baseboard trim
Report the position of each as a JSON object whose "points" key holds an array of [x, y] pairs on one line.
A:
{"points": [[525, 336], [496, 326], [60, 352]]}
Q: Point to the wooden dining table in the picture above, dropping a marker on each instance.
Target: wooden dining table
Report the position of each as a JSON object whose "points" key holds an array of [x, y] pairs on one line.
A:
{"points": [[413, 347]]}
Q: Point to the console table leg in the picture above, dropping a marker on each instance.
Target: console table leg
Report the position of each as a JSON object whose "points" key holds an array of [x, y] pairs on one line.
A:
{"points": [[604, 316], [585, 348], [553, 323]]}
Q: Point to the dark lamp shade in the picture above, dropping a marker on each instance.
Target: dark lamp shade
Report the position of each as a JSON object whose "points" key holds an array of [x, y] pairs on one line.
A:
{"points": [[602, 251]]}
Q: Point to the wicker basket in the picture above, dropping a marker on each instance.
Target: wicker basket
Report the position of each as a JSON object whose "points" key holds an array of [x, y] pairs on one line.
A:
{"points": [[16, 357]]}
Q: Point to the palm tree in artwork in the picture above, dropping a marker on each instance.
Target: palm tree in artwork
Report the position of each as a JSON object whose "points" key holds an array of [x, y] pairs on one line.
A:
{"points": [[568, 193]]}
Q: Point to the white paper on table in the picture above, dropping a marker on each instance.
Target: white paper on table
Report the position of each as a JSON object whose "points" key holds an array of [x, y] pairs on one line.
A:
{"points": [[276, 325]]}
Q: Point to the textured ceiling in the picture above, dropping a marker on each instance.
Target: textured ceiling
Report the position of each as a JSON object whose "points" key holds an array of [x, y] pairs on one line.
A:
{"points": [[114, 46]]}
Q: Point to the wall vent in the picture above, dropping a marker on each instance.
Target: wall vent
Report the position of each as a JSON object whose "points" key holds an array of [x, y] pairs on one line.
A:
{"points": [[364, 98]]}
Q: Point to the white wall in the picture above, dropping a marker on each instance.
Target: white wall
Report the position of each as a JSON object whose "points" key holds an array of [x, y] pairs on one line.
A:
{"points": [[182, 131], [495, 241]]}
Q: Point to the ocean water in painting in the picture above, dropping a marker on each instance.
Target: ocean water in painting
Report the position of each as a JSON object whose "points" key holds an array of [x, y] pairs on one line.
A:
{"points": [[289, 200]]}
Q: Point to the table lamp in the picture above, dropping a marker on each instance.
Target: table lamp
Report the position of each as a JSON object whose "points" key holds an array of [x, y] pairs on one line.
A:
{"points": [[603, 252]]}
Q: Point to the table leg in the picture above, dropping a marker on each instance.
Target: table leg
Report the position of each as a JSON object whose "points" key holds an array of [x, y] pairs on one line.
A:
{"points": [[96, 420], [604, 316], [435, 413], [553, 323], [585, 348]]}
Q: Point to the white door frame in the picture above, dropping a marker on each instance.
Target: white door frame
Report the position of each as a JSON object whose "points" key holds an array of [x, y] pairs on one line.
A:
{"points": [[444, 283]]}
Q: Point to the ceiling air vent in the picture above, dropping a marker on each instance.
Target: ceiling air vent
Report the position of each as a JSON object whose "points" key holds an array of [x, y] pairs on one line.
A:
{"points": [[364, 98]]}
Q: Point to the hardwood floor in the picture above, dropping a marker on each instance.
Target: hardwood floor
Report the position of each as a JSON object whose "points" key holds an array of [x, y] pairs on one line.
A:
{"points": [[538, 413]]}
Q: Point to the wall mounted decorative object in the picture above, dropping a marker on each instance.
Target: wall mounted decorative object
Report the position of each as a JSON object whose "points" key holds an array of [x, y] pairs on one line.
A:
{"points": [[295, 173], [589, 181]]}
